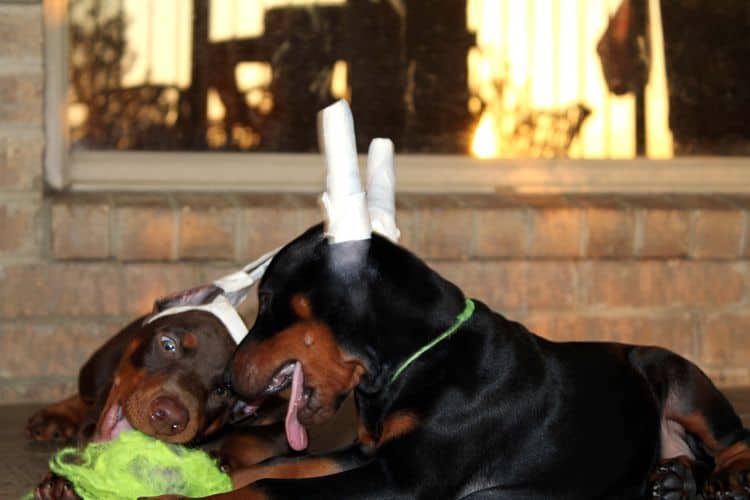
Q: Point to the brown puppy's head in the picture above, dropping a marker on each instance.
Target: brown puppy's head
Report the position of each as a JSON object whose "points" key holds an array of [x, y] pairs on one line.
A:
{"points": [[169, 381]]}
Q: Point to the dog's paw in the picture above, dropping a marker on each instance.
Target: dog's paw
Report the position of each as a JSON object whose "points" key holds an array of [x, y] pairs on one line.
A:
{"points": [[673, 480], [47, 426], [54, 487], [226, 463]]}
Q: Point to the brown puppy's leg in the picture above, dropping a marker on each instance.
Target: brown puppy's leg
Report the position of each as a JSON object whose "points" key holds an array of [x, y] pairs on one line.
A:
{"points": [[246, 447], [54, 487], [58, 422]]}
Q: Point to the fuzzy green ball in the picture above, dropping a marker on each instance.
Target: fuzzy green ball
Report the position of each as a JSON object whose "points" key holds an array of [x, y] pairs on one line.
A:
{"points": [[135, 465]]}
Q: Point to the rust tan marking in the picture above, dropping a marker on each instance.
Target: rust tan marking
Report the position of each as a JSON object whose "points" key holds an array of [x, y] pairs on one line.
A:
{"points": [[243, 494], [293, 469], [696, 423], [241, 449], [327, 368], [302, 307], [736, 452], [190, 341], [397, 424]]}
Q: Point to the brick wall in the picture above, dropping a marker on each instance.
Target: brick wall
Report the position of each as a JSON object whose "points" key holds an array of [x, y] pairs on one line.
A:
{"points": [[664, 270]]}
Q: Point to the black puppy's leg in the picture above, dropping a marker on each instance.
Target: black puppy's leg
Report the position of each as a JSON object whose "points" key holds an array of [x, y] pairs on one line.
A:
{"points": [[677, 479], [731, 479], [693, 405]]}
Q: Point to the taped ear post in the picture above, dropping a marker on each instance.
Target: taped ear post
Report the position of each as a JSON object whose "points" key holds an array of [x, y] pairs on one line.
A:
{"points": [[344, 201], [381, 189]]}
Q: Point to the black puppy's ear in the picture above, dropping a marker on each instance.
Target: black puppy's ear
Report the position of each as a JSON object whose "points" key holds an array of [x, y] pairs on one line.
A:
{"points": [[192, 297], [348, 257]]}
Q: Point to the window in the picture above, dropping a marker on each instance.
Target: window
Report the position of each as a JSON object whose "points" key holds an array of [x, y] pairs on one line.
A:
{"points": [[458, 80]]}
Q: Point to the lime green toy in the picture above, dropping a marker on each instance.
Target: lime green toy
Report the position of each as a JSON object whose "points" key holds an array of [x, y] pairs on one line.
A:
{"points": [[135, 465]]}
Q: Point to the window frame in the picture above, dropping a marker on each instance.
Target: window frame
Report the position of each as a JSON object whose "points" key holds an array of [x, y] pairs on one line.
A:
{"points": [[85, 171]]}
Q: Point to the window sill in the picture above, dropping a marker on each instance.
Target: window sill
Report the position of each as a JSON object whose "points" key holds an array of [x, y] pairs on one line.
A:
{"points": [[304, 173]]}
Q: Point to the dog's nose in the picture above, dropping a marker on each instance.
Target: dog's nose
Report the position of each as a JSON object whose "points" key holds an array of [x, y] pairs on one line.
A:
{"points": [[168, 416]]}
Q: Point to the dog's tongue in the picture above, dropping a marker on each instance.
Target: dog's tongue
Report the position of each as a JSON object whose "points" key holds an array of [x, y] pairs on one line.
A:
{"points": [[295, 432]]}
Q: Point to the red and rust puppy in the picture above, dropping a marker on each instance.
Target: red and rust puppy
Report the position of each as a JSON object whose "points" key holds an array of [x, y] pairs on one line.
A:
{"points": [[457, 401], [163, 375]]}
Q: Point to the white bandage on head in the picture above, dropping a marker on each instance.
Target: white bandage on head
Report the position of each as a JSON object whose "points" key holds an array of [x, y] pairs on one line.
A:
{"points": [[381, 189], [237, 285], [235, 288], [344, 201], [221, 308]]}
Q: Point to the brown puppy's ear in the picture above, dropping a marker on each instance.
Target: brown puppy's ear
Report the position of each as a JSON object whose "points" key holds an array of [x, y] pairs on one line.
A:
{"points": [[97, 373], [192, 297]]}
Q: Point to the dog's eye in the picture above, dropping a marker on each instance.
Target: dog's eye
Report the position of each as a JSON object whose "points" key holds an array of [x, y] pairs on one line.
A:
{"points": [[221, 391], [168, 344]]}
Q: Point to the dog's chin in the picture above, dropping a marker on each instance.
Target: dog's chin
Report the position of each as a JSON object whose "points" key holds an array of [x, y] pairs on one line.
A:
{"points": [[313, 416]]}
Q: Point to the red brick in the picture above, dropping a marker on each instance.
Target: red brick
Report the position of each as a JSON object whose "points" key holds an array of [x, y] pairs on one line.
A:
{"points": [[551, 285], [499, 284], [610, 232], [502, 233], [662, 283], [145, 233], [20, 227], [728, 376], [269, 228], [207, 233], [707, 284], [717, 233], [21, 162], [60, 290], [21, 98], [407, 221], [726, 339], [20, 32], [145, 283], [556, 232], [665, 233], [80, 231], [309, 217], [36, 389], [674, 332], [445, 233], [63, 347]]}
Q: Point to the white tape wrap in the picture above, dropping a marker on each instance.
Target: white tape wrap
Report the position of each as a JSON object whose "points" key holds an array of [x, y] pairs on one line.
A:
{"points": [[344, 202], [221, 308], [381, 188], [237, 285]]}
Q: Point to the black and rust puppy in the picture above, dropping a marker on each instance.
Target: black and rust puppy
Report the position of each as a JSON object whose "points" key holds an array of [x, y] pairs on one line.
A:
{"points": [[457, 401], [163, 377]]}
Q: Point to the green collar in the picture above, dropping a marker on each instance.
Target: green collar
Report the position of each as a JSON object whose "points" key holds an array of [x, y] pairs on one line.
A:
{"points": [[460, 320]]}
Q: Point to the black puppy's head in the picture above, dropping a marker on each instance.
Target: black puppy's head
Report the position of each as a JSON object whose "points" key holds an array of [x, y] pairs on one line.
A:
{"points": [[347, 313]]}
